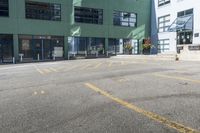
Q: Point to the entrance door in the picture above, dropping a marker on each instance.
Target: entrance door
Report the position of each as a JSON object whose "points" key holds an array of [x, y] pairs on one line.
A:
{"points": [[184, 37], [38, 49], [6, 48]]}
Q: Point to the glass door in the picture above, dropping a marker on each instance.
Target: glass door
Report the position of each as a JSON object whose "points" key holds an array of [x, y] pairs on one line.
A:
{"points": [[184, 37], [38, 49]]}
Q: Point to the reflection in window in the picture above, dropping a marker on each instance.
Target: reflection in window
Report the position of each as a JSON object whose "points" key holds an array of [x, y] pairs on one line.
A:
{"points": [[4, 8], [124, 19], [163, 45], [88, 15], [163, 23], [43, 11], [163, 2], [41, 47]]}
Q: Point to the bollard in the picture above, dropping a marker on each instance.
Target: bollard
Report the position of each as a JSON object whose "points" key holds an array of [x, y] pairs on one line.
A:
{"points": [[13, 60], [38, 57]]}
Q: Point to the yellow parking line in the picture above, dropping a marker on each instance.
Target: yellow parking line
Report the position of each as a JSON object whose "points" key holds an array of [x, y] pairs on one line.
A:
{"points": [[47, 70], [122, 63], [177, 78], [38, 70], [53, 69], [110, 64], [179, 127], [84, 67], [98, 65]]}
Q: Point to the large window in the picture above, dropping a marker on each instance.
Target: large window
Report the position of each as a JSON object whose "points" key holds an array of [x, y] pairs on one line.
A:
{"points": [[163, 2], [124, 19], [163, 23], [6, 48], [86, 46], [88, 15], [163, 45], [41, 47], [4, 8], [43, 11]]}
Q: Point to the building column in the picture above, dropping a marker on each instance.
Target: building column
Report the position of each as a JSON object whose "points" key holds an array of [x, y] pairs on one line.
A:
{"points": [[16, 47], [66, 47], [106, 46]]}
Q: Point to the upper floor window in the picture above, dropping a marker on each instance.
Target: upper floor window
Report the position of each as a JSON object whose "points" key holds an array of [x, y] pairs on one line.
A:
{"points": [[163, 23], [43, 11], [163, 2], [88, 15], [125, 19], [185, 13], [4, 8]]}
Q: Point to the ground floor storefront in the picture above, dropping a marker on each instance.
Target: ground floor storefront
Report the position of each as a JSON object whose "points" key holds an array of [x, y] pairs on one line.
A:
{"points": [[20, 48]]}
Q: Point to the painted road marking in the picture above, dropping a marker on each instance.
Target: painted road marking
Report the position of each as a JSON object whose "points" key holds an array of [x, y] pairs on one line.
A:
{"points": [[46, 70], [86, 66], [38, 70], [98, 65], [179, 127], [53, 69], [177, 78], [110, 64]]}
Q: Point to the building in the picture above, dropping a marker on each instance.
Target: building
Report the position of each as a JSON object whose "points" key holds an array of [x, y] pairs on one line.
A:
{"points": [[43, 30], [176, 26]]}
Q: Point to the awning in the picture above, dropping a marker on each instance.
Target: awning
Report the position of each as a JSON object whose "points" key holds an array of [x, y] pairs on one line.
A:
{"points": [[182, 23]]}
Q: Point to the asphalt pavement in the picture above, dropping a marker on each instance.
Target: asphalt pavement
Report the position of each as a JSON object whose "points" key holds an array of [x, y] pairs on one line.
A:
{"points": [[100, 96]]}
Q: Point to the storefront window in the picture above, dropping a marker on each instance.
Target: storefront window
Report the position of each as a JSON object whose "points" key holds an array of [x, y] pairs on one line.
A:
{"points": [[41, 47], [6, 48], [86, 46]]}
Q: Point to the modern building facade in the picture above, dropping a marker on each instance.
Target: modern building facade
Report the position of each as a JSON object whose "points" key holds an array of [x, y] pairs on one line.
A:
{"points": [[40, 30], [175, 25]]}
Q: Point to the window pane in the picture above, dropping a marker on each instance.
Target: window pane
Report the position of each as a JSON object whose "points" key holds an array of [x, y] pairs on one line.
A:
{"points": [[88, 15], [43, 11], [124, 19], [4, 8]]}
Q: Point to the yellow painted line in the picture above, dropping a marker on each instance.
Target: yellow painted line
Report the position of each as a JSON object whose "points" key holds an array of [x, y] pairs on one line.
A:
{"points": [[38, 70], [110, 64], [122, 63], [85, 67], [53, 69], [47, 70], [98, 65], [177, 78], [179, 127]]}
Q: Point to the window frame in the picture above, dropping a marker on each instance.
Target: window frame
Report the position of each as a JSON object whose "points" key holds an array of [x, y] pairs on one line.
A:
{"points": [[128, 22], [7, 6], [163, 49], [163, 2], [92, 13], [164, 27], [50, 9]]}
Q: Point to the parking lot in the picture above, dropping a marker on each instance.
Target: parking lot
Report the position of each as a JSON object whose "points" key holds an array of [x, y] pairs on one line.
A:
{"points": [[123, 95]]}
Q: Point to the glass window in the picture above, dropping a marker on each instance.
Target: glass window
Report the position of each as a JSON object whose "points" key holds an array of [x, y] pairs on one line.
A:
{"points": [[6, 48], [4, 8], [163, 2], [184, 13], [163, 45], [43, 11], [124, 19], [41, 47], [163, 23], [86, 46], [88, 15]]}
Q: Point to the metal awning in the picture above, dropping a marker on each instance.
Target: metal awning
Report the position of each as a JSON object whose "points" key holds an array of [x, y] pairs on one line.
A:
{"points": [[182, 23]]}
